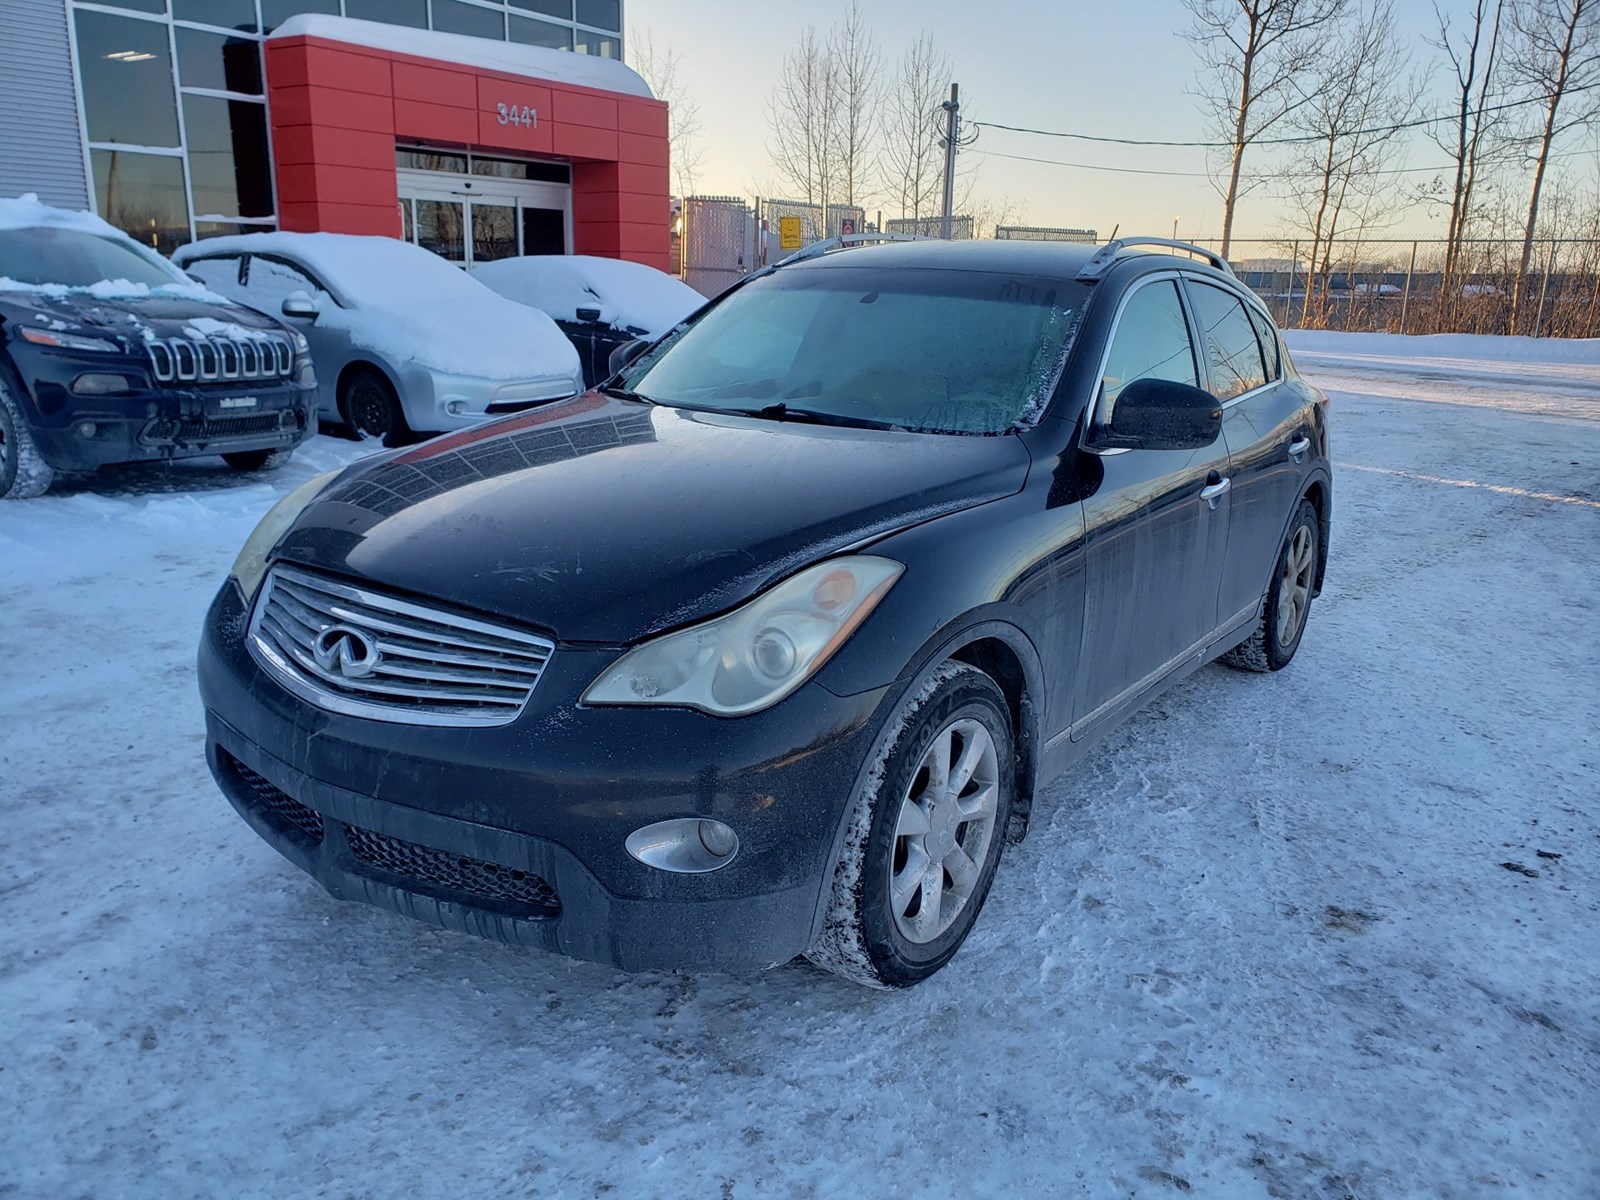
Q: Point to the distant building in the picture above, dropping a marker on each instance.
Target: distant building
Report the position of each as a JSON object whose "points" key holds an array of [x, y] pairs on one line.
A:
{"points": [[1045, 233], [476, 128]]}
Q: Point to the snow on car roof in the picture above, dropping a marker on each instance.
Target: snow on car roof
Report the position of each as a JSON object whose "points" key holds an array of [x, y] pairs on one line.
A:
{"points": [[410, 305], [28, 212], [557, 66], [629, 295]]}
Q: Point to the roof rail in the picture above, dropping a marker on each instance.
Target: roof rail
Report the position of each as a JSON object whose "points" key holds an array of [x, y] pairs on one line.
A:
{"points": [[843, 241], [1107, 254]]}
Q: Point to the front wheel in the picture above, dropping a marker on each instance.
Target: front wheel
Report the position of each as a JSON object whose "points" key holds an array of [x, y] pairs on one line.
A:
{"points": [[372, 410], [23, 473], [257, 460], [1288, 601], [924, 836]]}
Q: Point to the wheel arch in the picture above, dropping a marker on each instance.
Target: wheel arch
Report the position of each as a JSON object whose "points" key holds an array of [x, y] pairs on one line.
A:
{"points": [[1319, 492], [357, 366]]}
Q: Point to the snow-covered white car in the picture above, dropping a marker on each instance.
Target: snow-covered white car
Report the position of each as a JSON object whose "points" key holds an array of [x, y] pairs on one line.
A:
{"points": [[599, 303], [404, 342]]}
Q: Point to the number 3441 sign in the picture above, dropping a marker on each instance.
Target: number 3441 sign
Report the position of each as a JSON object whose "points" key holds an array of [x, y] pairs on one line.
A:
{"points": [[514, 114]]}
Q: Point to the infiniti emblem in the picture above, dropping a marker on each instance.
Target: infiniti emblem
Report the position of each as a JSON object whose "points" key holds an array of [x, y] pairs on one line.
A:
{"points": [[341, 650]]}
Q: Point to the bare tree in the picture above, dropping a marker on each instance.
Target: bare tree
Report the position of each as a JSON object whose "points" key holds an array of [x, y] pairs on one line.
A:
{"points": [[1555, 56], [1354, 98], [803, 119], [1472, 134], [659, 69], [912, 155], [1250, 53], [858, 64]]}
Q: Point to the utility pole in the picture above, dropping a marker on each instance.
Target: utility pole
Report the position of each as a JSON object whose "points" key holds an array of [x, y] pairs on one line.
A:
{"points": [[952, 131]]}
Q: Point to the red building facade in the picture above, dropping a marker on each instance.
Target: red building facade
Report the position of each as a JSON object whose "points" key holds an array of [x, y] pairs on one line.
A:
{"points": [[340, 110]]}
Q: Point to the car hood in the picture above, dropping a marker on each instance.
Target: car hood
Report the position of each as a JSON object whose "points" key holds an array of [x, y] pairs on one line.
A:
{"points": [[138, 318], [604, 520]]}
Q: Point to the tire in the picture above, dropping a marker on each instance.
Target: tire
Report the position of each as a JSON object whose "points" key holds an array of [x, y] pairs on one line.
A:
{"points": [[23, 473], [258, 460], [881, 929], [371, 409], [1287, 605]]}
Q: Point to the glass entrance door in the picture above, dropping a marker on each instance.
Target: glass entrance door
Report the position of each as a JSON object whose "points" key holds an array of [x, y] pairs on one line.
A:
{"points": [[472, 220]]}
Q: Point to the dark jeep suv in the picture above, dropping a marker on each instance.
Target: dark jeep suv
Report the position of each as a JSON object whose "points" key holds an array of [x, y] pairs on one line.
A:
{"points": [[110, 354]]}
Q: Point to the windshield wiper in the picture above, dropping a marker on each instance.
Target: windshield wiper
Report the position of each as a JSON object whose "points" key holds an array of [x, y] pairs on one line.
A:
{"points": [[622, 393], [812, 416]]}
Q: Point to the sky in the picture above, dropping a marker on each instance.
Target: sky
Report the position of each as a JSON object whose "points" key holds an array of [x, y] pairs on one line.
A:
{"points": [[1119, 69]]}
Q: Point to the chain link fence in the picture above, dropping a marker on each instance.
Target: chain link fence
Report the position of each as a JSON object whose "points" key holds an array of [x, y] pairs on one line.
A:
{"points": [[1419, 287]]}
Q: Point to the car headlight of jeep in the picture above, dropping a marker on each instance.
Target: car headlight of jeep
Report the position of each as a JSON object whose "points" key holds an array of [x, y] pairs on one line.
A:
{"points": [[250, 568], [68, 341], [756, 655]]}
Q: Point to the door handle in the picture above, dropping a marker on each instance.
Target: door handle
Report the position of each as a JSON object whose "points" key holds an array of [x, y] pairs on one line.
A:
{"points": [[1298, 448], [1213, 492]]}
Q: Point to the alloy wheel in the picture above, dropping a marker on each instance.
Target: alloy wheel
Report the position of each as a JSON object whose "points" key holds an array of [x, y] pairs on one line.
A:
{"points": [[1294, 585], [946, 821]]}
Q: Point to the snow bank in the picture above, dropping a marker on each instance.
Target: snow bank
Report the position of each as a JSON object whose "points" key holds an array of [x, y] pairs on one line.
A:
{"points": [[629, 295], [1473, 347], [410, 305], [557, 66]]}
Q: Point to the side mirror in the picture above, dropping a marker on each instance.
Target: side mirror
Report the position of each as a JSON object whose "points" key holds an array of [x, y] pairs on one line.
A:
{"points": [[1158, 414], [299, 304], [625, 354], [589, 315]]}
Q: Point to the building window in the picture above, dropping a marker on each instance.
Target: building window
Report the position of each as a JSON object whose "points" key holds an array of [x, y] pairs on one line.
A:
{"points": [[218, 62], [276, 12], [418, 159], [550, 8], [228, 158], [601, 45], [454, 16], [391, 12], [126, 75], [607, 14], [149, 6], [540, 33], [142, 195], [226, 14]]}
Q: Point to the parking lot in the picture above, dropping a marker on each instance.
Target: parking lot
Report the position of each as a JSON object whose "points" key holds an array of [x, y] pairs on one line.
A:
{"points": [[1326, 933]]}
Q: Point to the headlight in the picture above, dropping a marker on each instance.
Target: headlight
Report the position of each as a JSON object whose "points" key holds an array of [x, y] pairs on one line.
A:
{"points": [[298, 340], [68, 341], [758, 654], [250, 568]]}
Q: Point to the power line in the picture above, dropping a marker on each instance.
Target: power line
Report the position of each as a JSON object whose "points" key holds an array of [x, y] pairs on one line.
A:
{"points": [[1282, 141], [1056, 162]]}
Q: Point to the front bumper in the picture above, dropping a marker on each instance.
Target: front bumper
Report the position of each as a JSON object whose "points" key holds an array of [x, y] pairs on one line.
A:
{"points": [[441, 403], [438, 823], [162, 424]]}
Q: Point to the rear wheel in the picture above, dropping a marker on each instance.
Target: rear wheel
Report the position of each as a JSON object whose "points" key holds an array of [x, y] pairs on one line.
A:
{"points": [[258, 460], [23, 473], [372, 410], [1288, 601], [925, 835]]}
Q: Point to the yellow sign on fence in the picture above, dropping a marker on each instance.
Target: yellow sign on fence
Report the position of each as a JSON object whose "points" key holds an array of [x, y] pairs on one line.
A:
{"points": [[789, 233]]}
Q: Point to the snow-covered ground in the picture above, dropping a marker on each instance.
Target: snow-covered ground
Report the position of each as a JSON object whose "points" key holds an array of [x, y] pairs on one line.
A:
{"points": [[1330, 933]]}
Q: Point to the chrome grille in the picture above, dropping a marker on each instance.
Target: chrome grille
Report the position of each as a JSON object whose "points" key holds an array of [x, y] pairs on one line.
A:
{"points": [[219, 359], [429, 667]]}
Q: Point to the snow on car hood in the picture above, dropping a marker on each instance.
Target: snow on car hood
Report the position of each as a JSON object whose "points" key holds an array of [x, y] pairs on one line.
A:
{"points": [[629, 295], [410, 305]]}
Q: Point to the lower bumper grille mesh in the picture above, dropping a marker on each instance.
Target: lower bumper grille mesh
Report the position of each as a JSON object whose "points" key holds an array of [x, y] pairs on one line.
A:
{"points": [[453, 872], [281, 808]]}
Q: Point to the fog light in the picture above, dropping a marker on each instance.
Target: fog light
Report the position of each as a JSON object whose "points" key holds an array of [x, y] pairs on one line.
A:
{"points": [[718, 839], [686, 845], [456, 407], [97, 383], [87, 429]]}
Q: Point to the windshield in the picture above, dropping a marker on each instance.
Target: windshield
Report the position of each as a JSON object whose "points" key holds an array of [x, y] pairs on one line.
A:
{"points": [[42, 254], [940, 351]]}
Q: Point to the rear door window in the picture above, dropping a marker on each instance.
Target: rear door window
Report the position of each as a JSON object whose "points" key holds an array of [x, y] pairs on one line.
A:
{"points": [[1232, 351], [1151, 341], [1269, 343]]}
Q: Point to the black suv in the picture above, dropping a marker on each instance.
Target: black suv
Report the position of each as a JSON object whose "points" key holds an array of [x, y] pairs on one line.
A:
{"points": [[110, 354]]}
